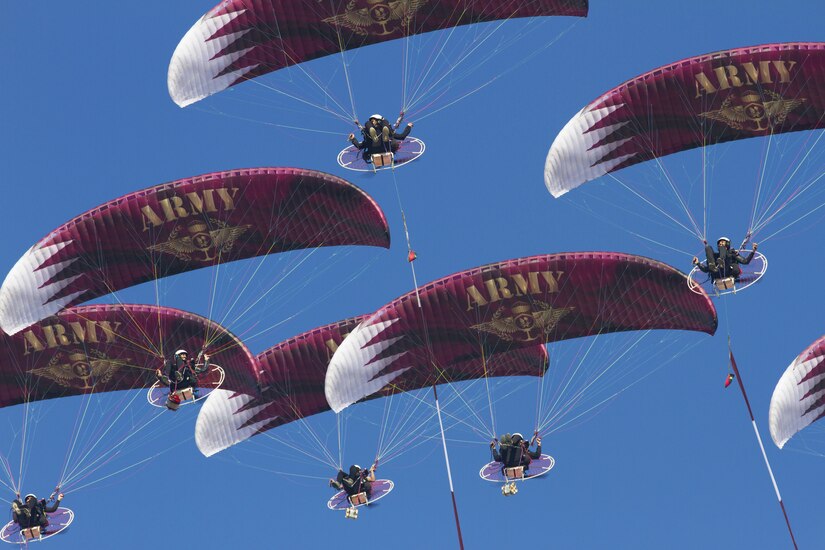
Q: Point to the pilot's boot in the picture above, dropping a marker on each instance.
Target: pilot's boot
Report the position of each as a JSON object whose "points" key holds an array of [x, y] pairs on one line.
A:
{"points": [[711, 259]]}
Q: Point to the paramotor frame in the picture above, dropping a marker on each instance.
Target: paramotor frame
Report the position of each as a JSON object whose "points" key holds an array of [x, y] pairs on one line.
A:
{"points": [[494, 471], [701, 283], [380, 489], [211, 381], [409, 149], [59, 520]]}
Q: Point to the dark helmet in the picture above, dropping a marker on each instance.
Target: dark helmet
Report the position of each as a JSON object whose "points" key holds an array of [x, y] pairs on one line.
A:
{"points": [[30, 495], [517, 438], [354, 470]]}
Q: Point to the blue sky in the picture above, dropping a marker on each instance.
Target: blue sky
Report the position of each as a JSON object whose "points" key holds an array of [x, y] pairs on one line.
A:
{"points": [[671, 463]]}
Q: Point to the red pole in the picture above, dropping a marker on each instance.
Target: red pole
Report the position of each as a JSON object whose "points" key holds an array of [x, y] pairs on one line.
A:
{"points": [[761, 446], [449, 473]]}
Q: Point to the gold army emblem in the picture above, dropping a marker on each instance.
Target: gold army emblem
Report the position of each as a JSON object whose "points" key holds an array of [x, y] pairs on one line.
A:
{"points": [[376, 17], [200, 240], [750, 112], [526, 322], [77, 370]]}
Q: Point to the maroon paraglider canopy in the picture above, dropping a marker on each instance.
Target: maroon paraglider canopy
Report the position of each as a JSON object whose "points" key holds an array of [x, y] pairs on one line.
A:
{"points": [[103, 348], [239, 40], [291, 378], [713, 98], [504, 306], [182, 226]]}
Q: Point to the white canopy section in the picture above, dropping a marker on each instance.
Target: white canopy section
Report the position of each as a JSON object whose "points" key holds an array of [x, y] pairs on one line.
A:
{"points": [[353, 372], [193, 68], [799, 397], [574, 159]]}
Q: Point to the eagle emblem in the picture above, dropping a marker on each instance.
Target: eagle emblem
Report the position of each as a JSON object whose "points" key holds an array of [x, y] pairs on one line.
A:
{"points": [[377, 17], [751, 112], [526, 322], [78, 370], [200, 240]]}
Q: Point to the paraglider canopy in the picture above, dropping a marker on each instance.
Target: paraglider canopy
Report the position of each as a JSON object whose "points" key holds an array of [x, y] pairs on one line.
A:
{"points": [[770, 91], [105, 348], [799, 397], [182, 226], [291, 378], [508, 305], [714, 98], [238, 40]]}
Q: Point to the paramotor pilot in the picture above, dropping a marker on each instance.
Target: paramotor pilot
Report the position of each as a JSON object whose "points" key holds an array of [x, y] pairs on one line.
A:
{"points": [[724, 263], [31, 512], [182, 373], [357, 481], [515, 451], [379, 136]]}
